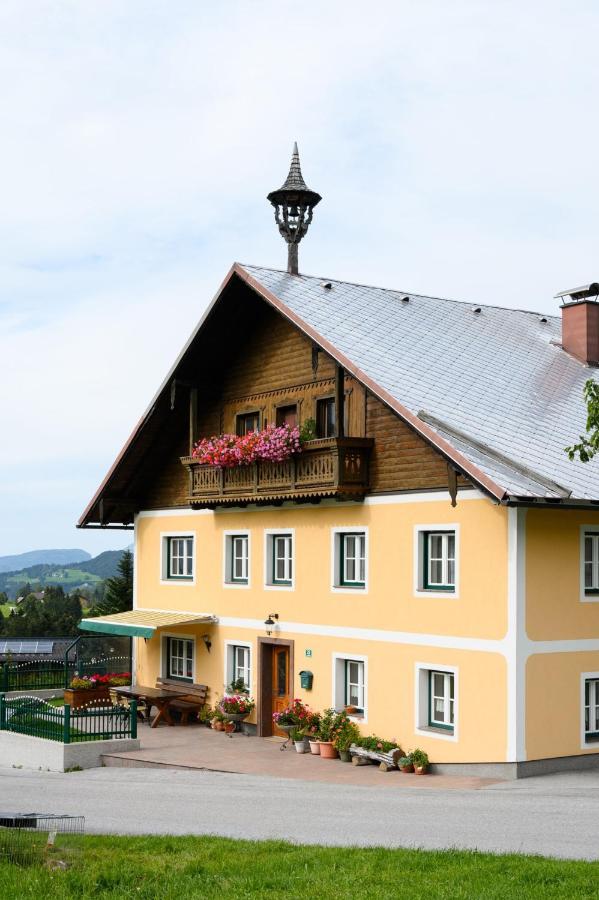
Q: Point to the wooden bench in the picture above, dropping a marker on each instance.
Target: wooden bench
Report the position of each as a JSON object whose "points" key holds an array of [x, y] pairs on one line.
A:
{"points": [[193, 701]]}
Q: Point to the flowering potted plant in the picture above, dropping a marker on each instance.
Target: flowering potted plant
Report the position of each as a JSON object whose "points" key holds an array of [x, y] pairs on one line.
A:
{"points": [[331, 724], [87, 688], [374, 749], [300, 743], [236, 708], [275, 443], [347, 735], [312, 726]]}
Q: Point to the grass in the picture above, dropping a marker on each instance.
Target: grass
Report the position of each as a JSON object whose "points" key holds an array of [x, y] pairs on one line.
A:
{"points": [[64, 576], [174, 867], [6, 609]]}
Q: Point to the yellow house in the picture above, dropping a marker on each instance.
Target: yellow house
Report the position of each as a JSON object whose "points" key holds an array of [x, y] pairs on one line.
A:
{"points": [[430, 557]]}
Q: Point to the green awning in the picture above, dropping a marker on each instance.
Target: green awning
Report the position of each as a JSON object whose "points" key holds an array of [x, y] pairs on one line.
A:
{"points": [[143, 622]]}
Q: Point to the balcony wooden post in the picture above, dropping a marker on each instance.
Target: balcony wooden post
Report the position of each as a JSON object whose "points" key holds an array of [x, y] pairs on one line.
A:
{"points": [[193, 418], [339, 401]]}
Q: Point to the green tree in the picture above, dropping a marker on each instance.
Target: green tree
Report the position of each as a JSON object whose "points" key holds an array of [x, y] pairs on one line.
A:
{"points": [[588, 446], [118, 595]]}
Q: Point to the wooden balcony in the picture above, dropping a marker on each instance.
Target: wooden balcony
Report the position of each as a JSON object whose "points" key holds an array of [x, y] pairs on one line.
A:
{"points": [[327, 467]]}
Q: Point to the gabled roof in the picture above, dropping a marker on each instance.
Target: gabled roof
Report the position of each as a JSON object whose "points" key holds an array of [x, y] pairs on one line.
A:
{"points": [[490, 388]]}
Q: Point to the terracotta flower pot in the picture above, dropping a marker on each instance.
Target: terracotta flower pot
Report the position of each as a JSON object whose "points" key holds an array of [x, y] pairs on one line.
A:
{"points": [[315, 748], [327, 751], [229, 727], [219, 726], [420, 770], [409, 768]]}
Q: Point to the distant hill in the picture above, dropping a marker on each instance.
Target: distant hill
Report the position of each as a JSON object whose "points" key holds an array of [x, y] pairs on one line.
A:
{"points": [[41, 557], [76, 574]]}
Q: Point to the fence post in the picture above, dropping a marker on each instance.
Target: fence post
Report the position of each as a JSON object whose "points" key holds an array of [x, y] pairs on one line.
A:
{"points": [[133, 719], [2, 712], [66, 733], [4, 677]]}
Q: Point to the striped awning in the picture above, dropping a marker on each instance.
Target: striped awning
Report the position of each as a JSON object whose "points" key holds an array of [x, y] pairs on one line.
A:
{"points": [[143, 622]]}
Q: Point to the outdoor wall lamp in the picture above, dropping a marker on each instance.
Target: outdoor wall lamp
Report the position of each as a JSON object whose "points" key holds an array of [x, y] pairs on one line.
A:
{"points": [[207, 642], [270, 622]]}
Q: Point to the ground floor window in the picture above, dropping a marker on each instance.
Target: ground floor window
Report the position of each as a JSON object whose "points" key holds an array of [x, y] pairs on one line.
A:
{"points": [[179, 658], [350, 684], [441, 699], [238, 667], [354, 684], [591, 709]]}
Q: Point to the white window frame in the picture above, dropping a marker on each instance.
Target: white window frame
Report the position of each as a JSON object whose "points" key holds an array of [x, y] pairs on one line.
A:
{"points": [[584, 677], [163, 662], [182, 580], [229, 655], [228, 538], [269, 538], [338, 683], [337, 536], [421, 702], [584, 530], [420, 536]]}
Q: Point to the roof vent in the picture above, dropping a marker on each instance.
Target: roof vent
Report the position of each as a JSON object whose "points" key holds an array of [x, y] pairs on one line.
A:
{"points": [[405, 299], [326, 285], [476, 309], [543, 320], [580, 322]]}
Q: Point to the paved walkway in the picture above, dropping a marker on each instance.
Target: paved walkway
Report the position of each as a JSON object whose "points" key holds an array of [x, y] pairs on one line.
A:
{"points": [[555, 815], [196, 747]]}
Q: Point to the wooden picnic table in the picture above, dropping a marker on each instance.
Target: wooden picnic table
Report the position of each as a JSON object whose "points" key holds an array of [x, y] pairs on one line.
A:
{"points": [[161, 698]]}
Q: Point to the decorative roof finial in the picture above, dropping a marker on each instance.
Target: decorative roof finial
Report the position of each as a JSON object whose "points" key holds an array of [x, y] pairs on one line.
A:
{"points": [[294, 204]]}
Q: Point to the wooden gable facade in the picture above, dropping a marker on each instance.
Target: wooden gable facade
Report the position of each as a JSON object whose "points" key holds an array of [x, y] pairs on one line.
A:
{"points": [[249, 359]]}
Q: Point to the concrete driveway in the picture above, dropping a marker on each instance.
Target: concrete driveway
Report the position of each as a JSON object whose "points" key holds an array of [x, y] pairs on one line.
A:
{"points": [[555, 815]]}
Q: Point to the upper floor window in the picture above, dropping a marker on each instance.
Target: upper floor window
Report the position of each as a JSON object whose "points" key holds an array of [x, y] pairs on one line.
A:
{"points": [[179, 658], [287, 415], [436, 552], [279, 559], [325, 417], [591, 709], [591, 563], [246, 423], [179, 557], [350, 559]]}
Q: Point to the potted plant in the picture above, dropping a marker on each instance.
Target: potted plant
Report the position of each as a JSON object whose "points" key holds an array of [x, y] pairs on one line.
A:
{"points": [[420, 761], [331, 724], [237, 687], [235, 709], [299, 740], [312, 726], [295, 715], [348, 734], [375, 749], [218, 720], [88, 688], [405, 764]]}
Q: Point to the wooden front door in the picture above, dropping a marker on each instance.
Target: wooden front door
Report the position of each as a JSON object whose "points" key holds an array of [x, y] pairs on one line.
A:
{"points": [[280, 682]]}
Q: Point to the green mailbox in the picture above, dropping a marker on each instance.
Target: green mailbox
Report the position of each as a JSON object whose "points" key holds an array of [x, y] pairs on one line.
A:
{"points": [[306, 679]]}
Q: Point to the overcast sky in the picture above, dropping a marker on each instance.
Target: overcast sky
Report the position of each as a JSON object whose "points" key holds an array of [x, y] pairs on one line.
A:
{"points": [[455, 146]]}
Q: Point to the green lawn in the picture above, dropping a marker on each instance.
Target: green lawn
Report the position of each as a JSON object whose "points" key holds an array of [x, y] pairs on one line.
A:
{"points": [[6, 609], [180, 867]]}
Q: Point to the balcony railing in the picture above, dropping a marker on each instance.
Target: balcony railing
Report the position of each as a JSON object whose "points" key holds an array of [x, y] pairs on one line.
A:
{"points": [[327, 467]]}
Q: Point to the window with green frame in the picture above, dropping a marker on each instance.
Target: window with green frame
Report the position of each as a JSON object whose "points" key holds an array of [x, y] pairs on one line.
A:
{"points": [[438, 560], [179, 564], [591, 710], [441, 700], [239, 559], [591, 563], [354, 684], [179, 658], [352, 559], [282, 559]]}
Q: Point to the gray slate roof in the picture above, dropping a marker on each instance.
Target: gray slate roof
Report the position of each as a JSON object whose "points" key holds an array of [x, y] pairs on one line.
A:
{"points": [[495, 384]]}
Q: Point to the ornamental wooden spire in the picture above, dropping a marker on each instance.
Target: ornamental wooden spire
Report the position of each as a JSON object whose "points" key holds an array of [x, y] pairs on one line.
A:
{"points": [[294, 203]]}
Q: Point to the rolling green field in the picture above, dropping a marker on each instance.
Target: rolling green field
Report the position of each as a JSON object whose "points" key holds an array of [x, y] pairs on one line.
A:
{"points": [[66, 577], [174, 867]]}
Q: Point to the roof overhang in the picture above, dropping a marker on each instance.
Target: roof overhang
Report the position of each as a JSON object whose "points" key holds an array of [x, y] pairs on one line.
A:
{"points": [[143, 622]]}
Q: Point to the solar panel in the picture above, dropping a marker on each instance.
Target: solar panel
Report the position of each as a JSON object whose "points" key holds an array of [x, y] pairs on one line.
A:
{"points": [[26, 646]]}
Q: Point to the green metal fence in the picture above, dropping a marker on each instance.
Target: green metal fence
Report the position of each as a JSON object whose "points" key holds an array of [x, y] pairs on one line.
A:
{"points": [[49, 674], [36, 718]]}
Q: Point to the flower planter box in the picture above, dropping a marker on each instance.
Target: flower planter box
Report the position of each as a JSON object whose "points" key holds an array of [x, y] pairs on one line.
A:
{"points": [[386, 761], [76, 697]]}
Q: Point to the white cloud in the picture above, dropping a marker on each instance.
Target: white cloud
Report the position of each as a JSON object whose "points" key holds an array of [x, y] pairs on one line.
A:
{"points": [[454, 145]]}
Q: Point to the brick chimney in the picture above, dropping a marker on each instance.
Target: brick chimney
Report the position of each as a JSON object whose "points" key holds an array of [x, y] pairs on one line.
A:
{"points": [[580, 322]]}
